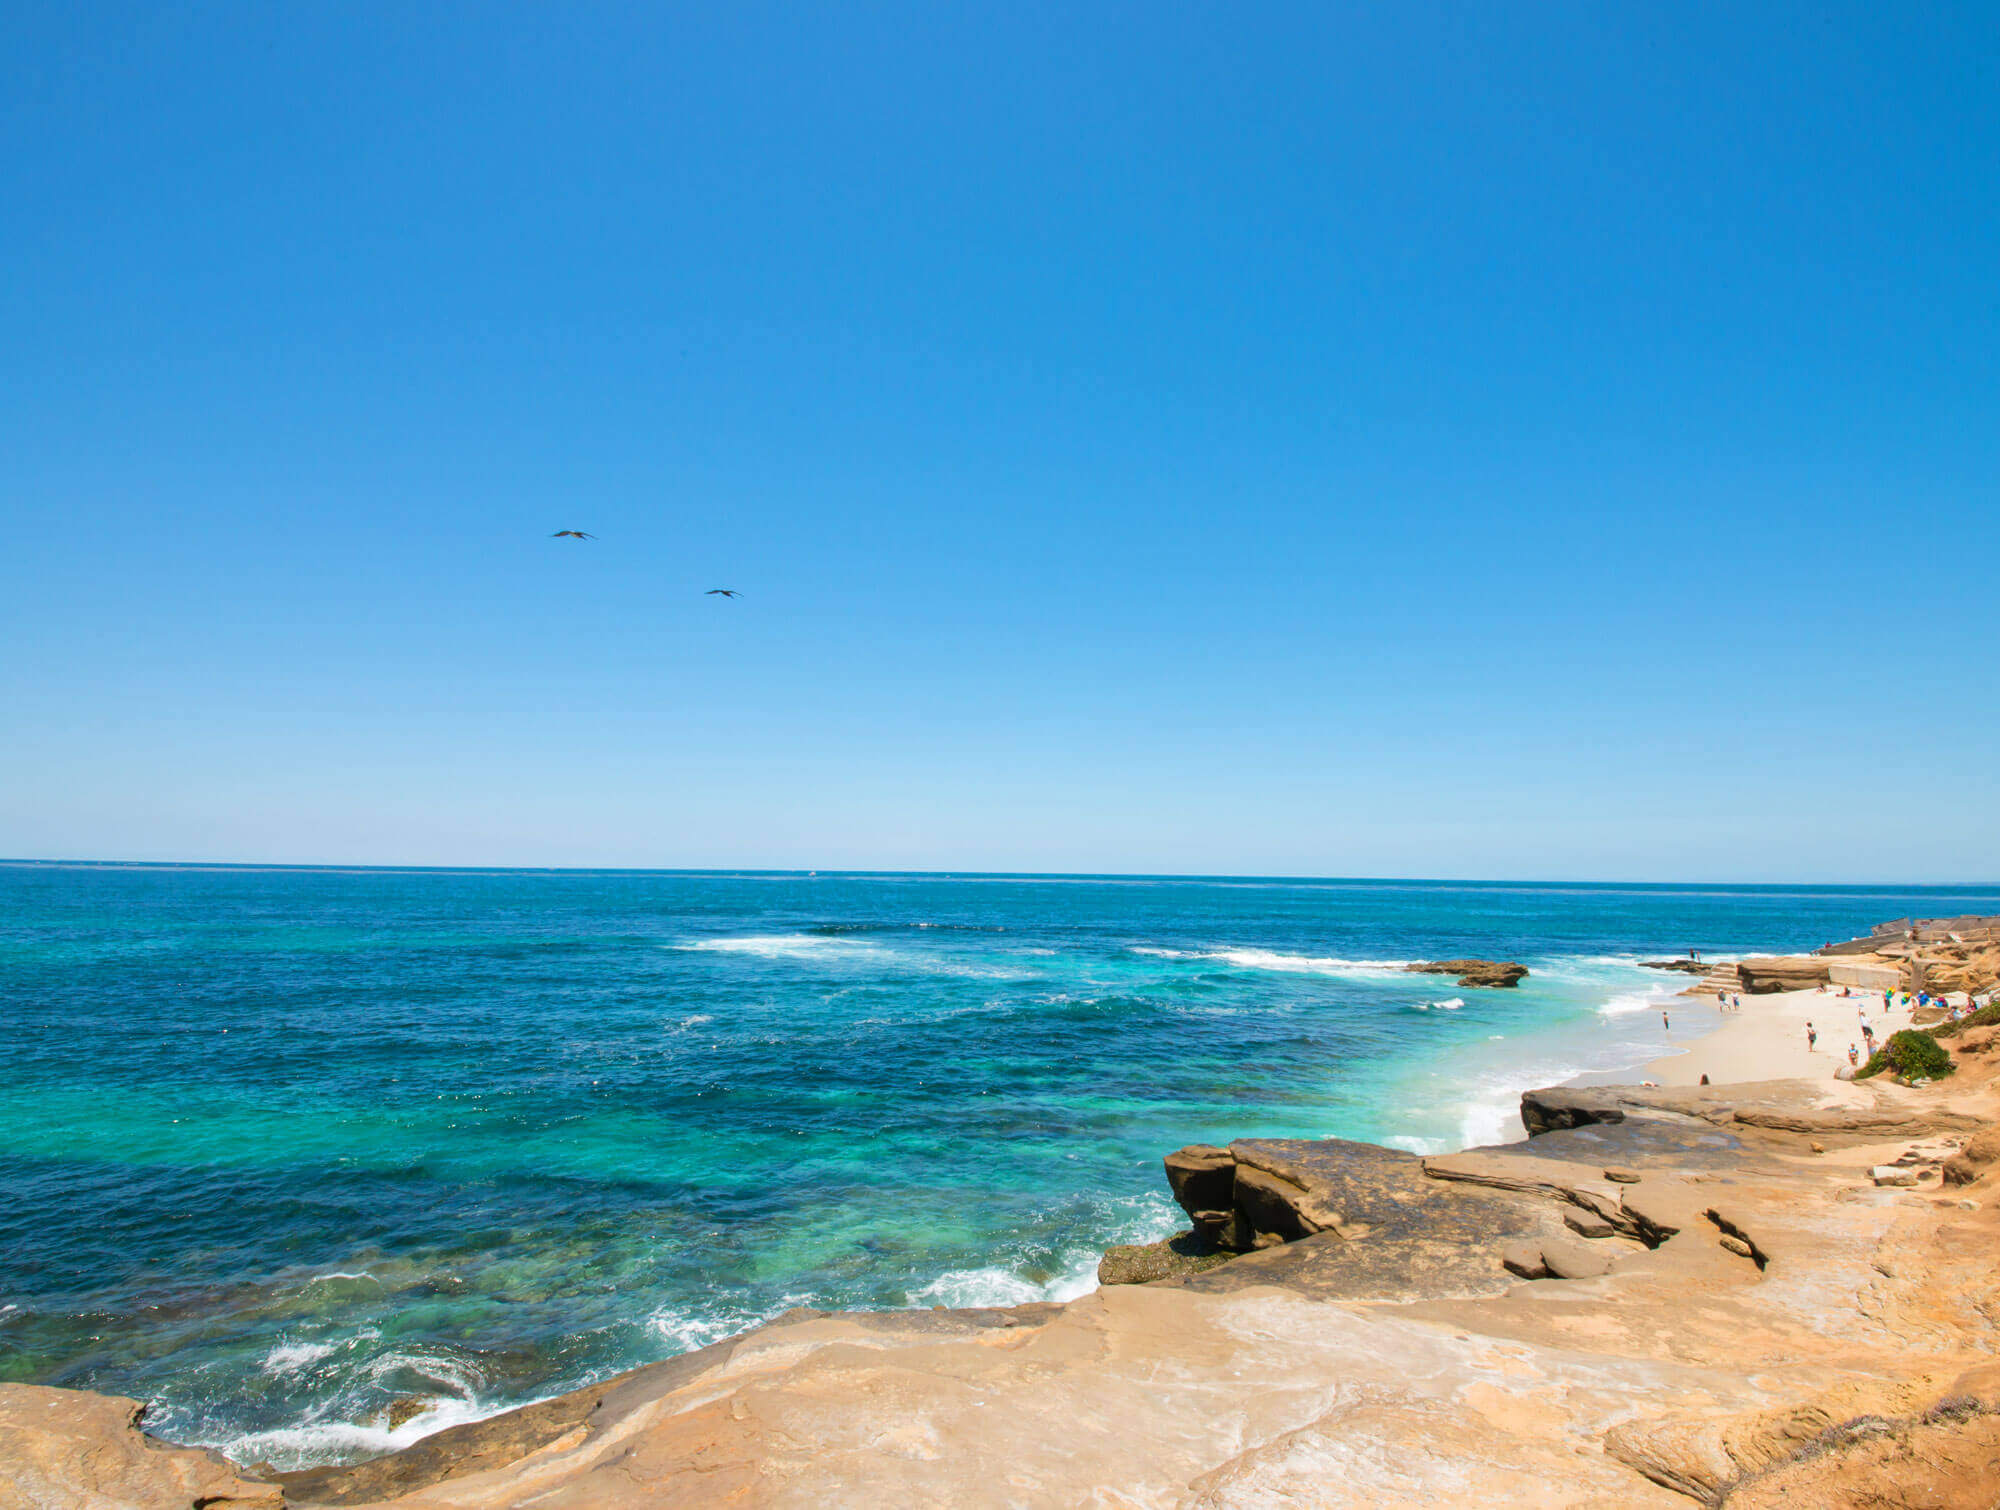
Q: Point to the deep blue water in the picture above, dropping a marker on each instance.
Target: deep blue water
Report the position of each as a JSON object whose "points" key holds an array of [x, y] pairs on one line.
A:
{"points": [[278, 1146]]}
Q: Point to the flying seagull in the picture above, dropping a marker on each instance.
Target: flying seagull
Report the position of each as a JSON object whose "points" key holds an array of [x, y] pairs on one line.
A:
{"points": [[721, 592], [573, 534]]}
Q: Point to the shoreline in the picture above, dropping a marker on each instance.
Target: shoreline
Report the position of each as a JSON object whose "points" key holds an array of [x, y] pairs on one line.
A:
{"points": [[1628, 1306], [1765, 1039], [1574, 1316]]}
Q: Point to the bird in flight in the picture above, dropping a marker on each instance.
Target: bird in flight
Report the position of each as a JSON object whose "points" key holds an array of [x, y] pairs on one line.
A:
{"points": [[572, 534], [721, 592]]}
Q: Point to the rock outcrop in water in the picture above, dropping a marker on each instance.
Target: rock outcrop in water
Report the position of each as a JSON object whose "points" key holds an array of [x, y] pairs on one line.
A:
{"points": [[1660, 1298], [1474, 972]]}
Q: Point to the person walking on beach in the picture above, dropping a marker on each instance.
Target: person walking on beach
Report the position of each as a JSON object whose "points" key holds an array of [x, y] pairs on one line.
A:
{"points": [[1663, 1020], [1812, 1038]]}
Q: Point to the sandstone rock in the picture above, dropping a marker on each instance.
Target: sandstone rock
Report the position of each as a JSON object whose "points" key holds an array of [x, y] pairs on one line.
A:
{"points": [[1976, 1158], [1762, 974], [1572, 1258], [1622, 1176], [1561, 1106], [1524, 1259], [1977, 1041], [1926, 1153], [1275, 1208], [1587, 1224], [1201, 1175], [1736, 1234], [405, 1408], [1170, 1258], [62, 1448], [1890, 1174], [1474, 972]]}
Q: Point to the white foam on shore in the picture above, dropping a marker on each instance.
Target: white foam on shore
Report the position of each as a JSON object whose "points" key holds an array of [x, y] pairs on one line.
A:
{"points": [[685, 1333], [995, 1286], [1637, 1001], [316, 1442]]}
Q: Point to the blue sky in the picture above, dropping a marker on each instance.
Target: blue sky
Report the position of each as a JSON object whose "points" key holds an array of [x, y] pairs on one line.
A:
{"points": [[1404, 439]]}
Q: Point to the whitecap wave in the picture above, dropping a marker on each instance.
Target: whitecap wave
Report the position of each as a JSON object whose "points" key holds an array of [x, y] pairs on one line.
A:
{"points": [[1274, 959], [1626, 1004], [827, 948], [780, 946]]}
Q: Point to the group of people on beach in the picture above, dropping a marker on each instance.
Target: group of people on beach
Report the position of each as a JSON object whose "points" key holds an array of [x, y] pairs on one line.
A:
{"points": [[1892, 1001]]}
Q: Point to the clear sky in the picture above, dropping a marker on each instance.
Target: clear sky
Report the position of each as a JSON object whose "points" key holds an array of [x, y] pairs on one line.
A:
{"points": [[1552, 440]]}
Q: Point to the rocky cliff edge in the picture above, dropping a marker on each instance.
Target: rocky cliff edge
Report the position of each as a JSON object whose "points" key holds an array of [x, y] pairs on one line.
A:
{"points": [[1740, 1295]]}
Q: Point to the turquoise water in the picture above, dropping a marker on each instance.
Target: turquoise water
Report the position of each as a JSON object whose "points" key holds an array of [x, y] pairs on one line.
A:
{"points": [[278, 1146]]}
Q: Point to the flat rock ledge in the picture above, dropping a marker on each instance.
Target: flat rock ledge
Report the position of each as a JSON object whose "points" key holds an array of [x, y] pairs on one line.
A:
{"points": [[1660, 1298]]}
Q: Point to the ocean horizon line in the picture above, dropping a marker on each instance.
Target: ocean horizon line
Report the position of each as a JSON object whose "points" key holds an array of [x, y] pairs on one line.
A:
{"points": [[759, 872]]}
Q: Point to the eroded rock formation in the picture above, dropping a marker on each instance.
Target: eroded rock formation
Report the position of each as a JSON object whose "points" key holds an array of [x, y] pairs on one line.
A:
{"points": [[1474, 972], [1661, 1298]]}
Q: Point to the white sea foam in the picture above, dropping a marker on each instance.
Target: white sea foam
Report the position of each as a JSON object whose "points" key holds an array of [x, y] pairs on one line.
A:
{"points": [[686, 1334], [995, 1286], [1626, 1004], [290, 1357], [780, 945], [827, 948], [1273, 959], [314, 1442], [335, 1274]]}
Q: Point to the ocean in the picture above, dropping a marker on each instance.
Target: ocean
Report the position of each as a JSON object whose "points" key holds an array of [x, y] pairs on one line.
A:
{"points": [[281, 1146]]}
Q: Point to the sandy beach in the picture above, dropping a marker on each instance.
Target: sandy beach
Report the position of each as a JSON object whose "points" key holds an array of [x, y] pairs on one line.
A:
{"points": [[1766, 1039]]}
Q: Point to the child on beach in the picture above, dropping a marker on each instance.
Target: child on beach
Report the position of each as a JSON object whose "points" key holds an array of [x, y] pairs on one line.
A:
{"points": [[1853, 1057], [1812, 1038]]}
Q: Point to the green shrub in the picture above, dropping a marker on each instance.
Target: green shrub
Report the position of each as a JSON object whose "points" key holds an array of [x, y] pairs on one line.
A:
{"points": [[1985, 1015], [1913, 1054]]}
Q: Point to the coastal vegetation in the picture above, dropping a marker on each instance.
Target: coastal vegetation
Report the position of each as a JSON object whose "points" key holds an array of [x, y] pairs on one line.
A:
{"points": [[1986, 1016], [1911, 1054]]}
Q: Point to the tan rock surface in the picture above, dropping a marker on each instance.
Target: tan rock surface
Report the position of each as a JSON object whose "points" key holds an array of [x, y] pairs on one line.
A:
{"points": [[64, 1449], [1756, 1300]]}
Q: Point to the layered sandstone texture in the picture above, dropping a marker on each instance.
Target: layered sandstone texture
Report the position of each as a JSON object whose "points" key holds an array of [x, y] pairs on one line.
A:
{"points": [[1661, 1298]]}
